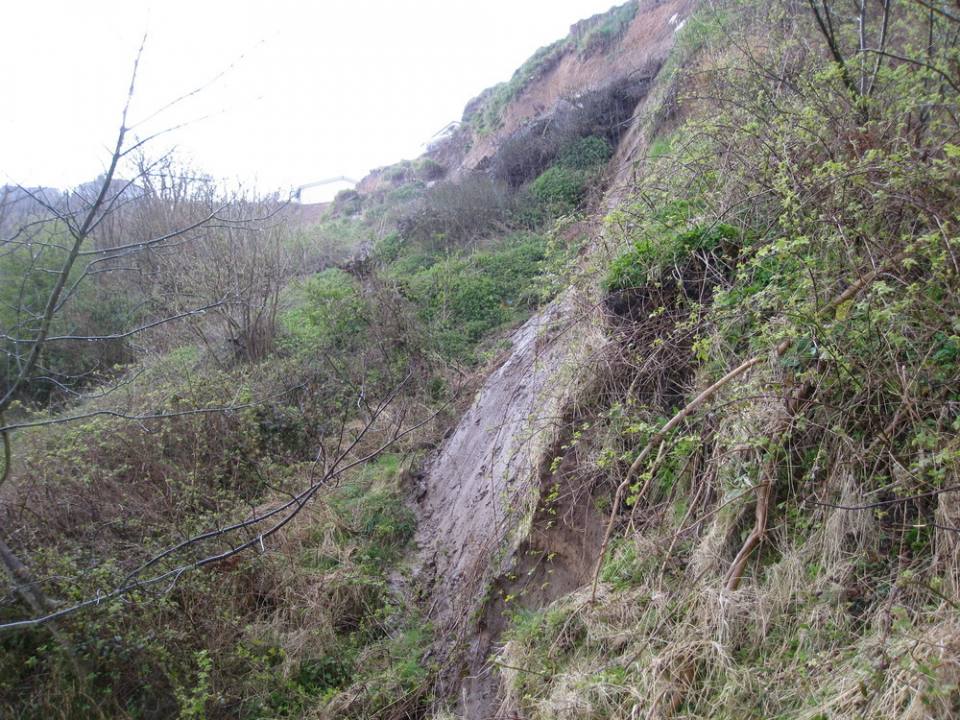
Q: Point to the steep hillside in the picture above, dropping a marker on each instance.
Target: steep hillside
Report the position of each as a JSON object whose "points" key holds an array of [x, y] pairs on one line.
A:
{"points": [[779, 542], [622, 49], [636, 396], [518, 501], [608, 60], [480, 495]]}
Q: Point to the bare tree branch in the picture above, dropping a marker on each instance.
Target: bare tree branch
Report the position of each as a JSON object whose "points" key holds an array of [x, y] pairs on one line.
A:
{"points": [[286, 512]]}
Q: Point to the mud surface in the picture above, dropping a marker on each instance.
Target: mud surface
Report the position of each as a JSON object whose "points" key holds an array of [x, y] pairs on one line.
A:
{"points": [[479, 496], [483, 484]]}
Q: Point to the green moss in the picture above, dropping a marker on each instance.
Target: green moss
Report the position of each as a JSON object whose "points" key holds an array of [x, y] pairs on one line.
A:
{"points": [[321, 675]]}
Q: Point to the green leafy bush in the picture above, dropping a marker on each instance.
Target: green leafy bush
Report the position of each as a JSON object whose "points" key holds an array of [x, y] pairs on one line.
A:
{"points": [[388, 248], [650, 255], [561, 189], [332, 313], [321, 675], [588, 153], [405, 193], [463, 298]]}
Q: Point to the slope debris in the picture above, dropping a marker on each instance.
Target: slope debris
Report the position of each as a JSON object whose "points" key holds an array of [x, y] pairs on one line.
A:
{"points": [[636, 396]]}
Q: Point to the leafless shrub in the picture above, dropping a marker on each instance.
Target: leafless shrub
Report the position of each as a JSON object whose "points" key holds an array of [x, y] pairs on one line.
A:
{"points": [[459, 212]]}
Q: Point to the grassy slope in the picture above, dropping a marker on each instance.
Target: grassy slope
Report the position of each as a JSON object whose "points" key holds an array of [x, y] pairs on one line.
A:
{"points": [[315, 625], [760, 201], [769, 189]]}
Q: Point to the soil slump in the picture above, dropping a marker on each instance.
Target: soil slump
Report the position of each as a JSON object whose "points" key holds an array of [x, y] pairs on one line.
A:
{"points": [[483, 483], [481, 491]]}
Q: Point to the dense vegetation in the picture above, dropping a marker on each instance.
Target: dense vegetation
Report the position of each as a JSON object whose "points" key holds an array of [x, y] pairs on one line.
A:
{"points": [[215, 455], [329, 356], [791, 549]]}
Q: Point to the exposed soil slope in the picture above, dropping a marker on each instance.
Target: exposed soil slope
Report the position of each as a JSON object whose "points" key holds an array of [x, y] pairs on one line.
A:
{"points": [[481, 488], [480, 493], [642, 49]]}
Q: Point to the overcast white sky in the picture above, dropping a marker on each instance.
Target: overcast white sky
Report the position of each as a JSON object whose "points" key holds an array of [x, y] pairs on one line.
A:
{"points": [[315, 89]]}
